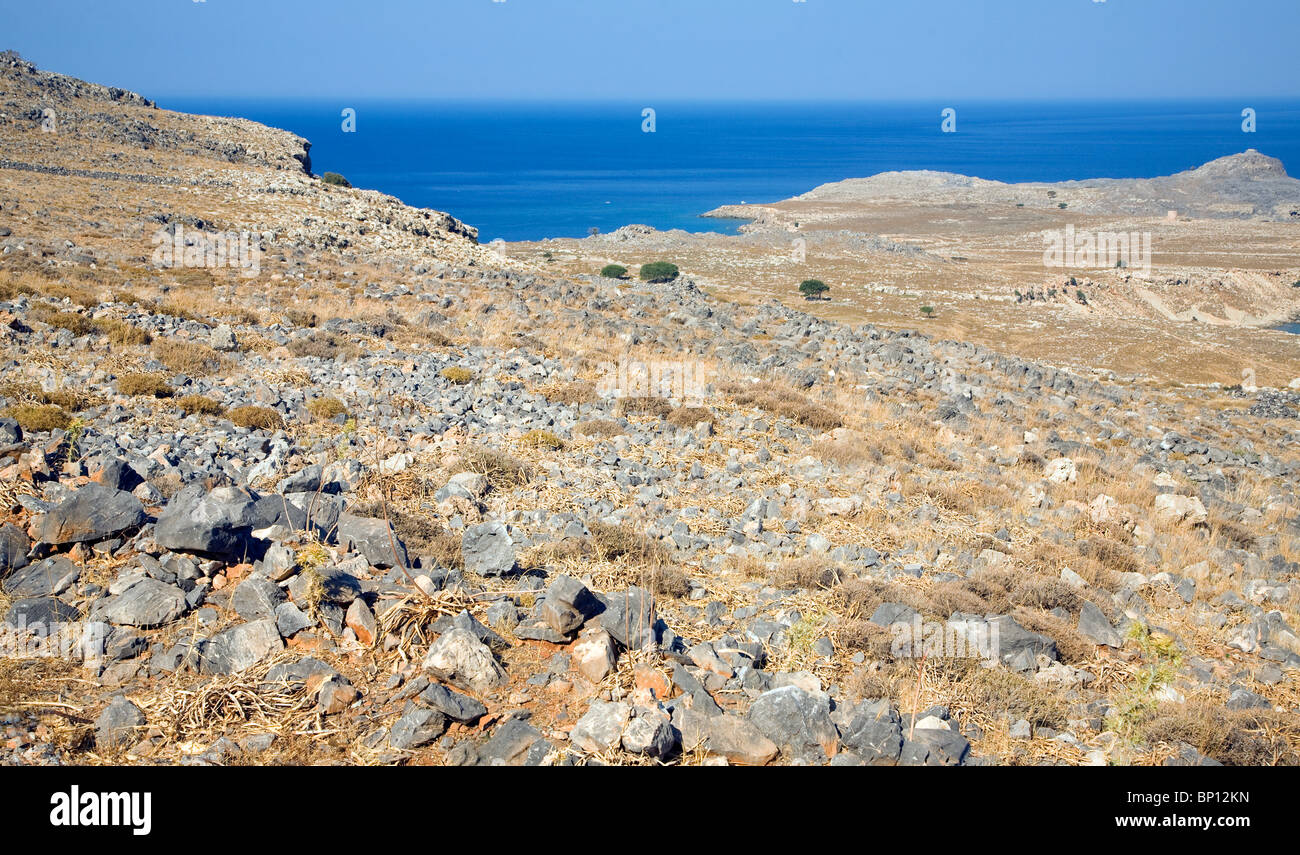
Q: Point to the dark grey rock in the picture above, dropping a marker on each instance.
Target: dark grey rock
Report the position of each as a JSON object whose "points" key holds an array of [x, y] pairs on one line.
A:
{"points": [[14, 547], [374, 539], [92, 513], [40, 611], [290, 620], [215, 523], [935, 747], [629, 617], [147, 603], [1094, 626], [117, 724], [453, 705], [46, 578], [875, 733], [797, 721], [509, 745], [416, 726], [239, 647], [257, 598], [488, 549]]}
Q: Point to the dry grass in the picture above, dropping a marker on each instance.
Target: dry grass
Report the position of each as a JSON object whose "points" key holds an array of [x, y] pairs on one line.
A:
{"points": [[74, 322], [457, 374], [599, 428], [647, 406], [187, 357], [326, 408], [145, 384], [123, 333], [200, 404], [689, 417], [255, 417], [781, 400], [40, 417], [542, 439], [571, 394], [501, 470], [324, 345], [1233, 737], [24, 392]]}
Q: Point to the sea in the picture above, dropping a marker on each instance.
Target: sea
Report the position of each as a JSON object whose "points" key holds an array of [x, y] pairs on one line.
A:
{"points": [[528, 171]]}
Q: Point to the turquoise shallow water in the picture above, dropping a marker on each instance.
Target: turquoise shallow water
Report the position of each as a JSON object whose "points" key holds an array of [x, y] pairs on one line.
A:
{"points": [[528, 171]]}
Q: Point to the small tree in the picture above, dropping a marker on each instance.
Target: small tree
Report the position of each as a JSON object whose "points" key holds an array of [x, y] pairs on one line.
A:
{"points": [[1083, 298], [659, 271], [335, 179], [927, 311], [812, 289], [613, 271]]}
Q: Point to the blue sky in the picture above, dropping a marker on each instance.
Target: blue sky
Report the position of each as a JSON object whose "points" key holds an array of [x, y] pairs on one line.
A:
{"points": [[668, 49]]}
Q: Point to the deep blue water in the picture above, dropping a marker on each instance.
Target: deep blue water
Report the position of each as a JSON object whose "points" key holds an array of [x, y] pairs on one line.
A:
{"points": [[528, 171], [1291, 328]]}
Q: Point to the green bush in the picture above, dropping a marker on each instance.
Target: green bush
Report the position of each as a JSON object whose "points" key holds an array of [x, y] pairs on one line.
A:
{"points": [[335, 179], [659, 271], [927, 310], [812, 289], [613, 271]]}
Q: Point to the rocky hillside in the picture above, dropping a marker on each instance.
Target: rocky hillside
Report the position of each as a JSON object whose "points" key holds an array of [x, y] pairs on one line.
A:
{"points": [[396, 499], [1246, 185]]}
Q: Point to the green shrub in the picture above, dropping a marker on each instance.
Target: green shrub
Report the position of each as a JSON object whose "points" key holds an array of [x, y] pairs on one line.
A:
{"points": [[613, 271], [335, 179], [812, 289], [659, 271], [928, 311]]}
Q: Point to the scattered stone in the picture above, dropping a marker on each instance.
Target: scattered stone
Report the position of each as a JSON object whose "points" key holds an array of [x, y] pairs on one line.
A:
{"points": [[461, 659], [117, 725]]}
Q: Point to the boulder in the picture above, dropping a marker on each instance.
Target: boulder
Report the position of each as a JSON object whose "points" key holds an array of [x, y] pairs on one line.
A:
{"points": [[146, 603], [91, 514], [117, 724], [239, 647], [461, 659], [216, 523], [799, 722], [488, 549], [373, 538], [46, 578], [14, 547]]}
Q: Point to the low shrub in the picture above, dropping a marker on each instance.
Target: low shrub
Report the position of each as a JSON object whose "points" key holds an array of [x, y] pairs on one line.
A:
{"points": [[144, 384], [324, 409], [457, 374], [200, 404], [257, 418]]}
